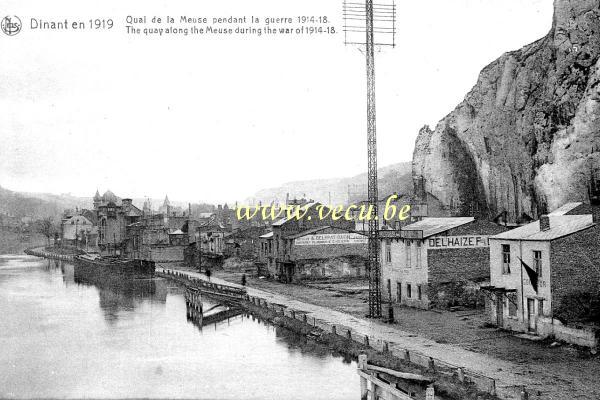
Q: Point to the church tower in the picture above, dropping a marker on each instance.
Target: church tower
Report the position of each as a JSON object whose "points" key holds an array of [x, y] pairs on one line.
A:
{"points": [[97, 200]]}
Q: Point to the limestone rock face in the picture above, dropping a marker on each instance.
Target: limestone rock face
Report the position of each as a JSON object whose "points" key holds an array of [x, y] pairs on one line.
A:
{"points": [[526, 138]]}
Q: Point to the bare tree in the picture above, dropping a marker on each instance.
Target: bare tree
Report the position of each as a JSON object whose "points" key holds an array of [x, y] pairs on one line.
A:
{"points": [[46, 227]]}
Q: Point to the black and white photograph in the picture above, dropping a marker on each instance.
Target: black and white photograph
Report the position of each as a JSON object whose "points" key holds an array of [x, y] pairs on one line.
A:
{"points": [[308, 200]]}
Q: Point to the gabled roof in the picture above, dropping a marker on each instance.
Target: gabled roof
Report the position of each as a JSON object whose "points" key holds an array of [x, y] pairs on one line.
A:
{"points": [[211, 226], [433, 226], [565, 208], [560, 225], [80, 219], [266, 235], [305, 206], [177, 232]]}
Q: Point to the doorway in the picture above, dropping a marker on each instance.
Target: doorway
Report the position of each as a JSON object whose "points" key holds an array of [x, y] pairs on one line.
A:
{"points": [[499, 310], [532, 316]]}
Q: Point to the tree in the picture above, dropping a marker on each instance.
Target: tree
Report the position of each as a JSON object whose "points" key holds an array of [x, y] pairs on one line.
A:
{"points": [[46, 227]]}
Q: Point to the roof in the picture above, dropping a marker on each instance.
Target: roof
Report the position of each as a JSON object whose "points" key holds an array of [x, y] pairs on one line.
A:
{"points": [[109, 196], [433, 226], [560, 225], [305, 206], [565, 208], [177, 232], [79, 219], [280, 221], [266, 235]]}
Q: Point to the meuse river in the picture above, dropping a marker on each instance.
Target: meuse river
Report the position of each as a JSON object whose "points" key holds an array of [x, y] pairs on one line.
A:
{"points": [[62, 335]]}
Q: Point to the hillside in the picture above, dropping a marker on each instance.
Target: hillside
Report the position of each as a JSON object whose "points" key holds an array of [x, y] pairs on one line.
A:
{"points": [[526, 137], [392, 178], [28, 205]]}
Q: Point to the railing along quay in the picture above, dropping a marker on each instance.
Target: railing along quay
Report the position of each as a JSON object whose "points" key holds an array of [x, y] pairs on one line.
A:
{"points": [[204, 286], [482, 382]]}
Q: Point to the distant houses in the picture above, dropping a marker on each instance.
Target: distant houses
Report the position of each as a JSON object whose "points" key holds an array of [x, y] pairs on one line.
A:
{"points": [[532, 277]]}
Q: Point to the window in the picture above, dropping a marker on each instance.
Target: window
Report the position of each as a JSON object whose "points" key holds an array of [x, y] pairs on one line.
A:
{"points": [[541, 307], [408, 290], [506, 259], [388, 251], [537, 262], [419, 292], [398, 292], [408, 250], [418, 254], [389, 289]]}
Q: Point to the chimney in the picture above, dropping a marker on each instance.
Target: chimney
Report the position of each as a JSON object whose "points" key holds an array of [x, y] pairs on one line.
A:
{"points": [[544, 223]]}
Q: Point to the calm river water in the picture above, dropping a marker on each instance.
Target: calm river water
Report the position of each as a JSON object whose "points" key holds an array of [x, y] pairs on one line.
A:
{"points": [[62, 335]]}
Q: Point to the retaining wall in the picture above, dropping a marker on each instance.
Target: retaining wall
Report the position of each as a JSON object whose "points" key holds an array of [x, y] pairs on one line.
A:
{"points": [[483, 383]]}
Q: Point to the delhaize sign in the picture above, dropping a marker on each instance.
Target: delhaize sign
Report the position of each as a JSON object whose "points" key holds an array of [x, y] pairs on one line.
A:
{"points": [[457, 242], [332, 238]]}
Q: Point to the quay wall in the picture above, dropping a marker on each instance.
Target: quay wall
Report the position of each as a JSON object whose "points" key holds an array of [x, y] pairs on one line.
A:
{"points": [[42, 252], [451, 381]]}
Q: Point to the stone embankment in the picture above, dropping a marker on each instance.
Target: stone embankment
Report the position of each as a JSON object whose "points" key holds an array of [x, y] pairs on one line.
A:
{"points": [[43, 252], [451, 381]]}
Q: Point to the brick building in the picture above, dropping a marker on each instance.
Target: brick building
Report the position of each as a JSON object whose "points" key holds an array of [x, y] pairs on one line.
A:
{"points": [[113, 220], [265, 260], [244, 243], [542, 272], [436, 261]]}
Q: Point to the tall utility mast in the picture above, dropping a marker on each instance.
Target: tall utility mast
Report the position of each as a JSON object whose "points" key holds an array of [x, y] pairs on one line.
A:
{"points": [[385, 16]]}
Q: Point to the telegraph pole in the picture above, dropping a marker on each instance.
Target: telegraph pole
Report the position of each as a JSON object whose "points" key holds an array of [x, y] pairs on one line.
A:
{"points": [[374, 266], [386, 18]]}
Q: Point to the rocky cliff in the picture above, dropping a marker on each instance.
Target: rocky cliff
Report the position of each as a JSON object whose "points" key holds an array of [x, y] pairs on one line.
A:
{"points": [[526, 137]]}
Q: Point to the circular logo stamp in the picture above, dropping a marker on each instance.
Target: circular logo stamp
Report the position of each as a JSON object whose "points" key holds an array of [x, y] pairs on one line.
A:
{"points": [[11, 25]]}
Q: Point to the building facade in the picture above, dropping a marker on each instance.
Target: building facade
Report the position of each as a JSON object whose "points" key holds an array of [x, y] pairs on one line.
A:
{"points": [[540, 273], [321, 252], [77, 229], [436, 262]]}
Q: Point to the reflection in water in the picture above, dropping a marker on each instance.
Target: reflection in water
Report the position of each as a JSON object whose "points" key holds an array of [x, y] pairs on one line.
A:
{"points": [[74, 338], [120, 293], [302, 344]]}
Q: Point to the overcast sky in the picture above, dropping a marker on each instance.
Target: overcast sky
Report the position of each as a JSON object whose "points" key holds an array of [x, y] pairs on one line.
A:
{"points": [[217, 119]]}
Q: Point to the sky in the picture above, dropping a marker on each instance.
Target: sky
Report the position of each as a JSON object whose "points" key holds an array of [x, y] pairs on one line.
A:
{"points": [[209, 118]]}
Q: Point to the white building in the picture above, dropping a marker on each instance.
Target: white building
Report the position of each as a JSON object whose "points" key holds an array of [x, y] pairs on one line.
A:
{"points": [[537, 268], [423, 260], [80, 228]]}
